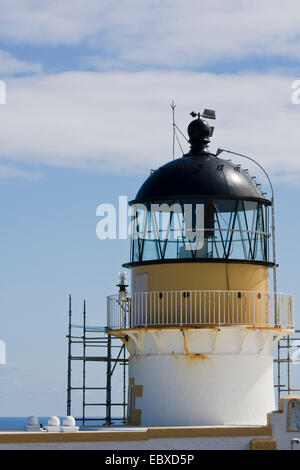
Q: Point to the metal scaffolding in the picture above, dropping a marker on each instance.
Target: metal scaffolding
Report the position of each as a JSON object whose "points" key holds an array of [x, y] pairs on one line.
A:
{"points": [[114, 354], [284, 360]]}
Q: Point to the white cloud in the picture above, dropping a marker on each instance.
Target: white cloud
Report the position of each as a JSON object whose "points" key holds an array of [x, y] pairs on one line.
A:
{"points": [[9, 65], [9, 171], [55, 22], [122, 121], [159, 32]]}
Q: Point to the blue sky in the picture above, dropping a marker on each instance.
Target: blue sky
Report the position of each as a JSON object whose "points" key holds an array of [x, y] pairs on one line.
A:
{"points": [[89, 86]]}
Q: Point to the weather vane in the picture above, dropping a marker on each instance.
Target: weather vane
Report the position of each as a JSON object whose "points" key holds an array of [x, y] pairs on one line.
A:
{"points": [[207, 114]]}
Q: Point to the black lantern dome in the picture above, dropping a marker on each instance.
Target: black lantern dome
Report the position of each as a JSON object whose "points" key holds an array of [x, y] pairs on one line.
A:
{"points": [[199, 173], [200, 208]]}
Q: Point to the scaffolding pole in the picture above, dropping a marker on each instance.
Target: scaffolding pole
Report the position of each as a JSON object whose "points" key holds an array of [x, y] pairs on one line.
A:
{"points": [[84, 363], [69, 385], [108, 381]]}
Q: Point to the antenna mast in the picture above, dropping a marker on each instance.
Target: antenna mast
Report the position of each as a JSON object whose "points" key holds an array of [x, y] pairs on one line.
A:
{"points": [[173, 106]]}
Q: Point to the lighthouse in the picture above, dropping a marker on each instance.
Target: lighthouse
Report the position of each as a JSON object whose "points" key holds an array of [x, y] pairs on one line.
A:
{"points": [[201, 321]]}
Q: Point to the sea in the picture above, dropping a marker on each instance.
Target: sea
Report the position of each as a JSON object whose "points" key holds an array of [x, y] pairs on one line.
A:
{"points": [[17, 423]]}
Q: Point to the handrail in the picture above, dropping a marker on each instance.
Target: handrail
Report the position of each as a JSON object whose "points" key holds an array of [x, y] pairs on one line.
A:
{"points": [[199, 308], [143, 233]]}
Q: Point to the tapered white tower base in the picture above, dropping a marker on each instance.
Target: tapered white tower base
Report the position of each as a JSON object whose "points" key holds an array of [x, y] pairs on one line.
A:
{"points": [[206, 376]]}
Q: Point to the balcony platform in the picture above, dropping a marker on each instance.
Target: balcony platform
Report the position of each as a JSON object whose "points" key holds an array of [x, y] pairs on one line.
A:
{"points": [[200, 309]]}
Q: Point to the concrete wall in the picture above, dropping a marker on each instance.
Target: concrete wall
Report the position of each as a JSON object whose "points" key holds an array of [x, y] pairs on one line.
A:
{"points": [[204, 276]]}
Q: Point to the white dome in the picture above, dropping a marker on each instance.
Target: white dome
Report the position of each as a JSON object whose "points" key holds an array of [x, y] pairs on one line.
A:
{"points": [[33, 421], [53, 421], [69, 421]]}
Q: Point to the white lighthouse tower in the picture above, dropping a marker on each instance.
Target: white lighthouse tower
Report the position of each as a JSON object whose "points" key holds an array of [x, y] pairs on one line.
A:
{"points": [[201, 322]]}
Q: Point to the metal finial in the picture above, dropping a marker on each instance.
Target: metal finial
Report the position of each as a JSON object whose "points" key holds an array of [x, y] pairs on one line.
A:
{"points": [[173, 106]]}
